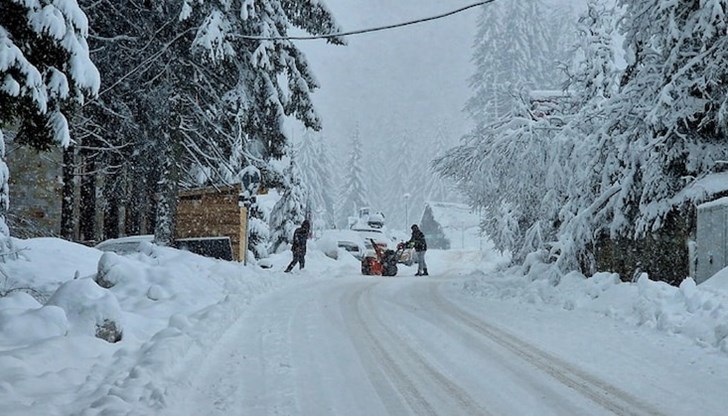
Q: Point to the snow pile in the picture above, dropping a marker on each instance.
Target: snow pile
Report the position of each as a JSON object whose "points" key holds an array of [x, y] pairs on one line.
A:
{"points": [[697, 312], [23, 321], [90, 310], [88, 333]]}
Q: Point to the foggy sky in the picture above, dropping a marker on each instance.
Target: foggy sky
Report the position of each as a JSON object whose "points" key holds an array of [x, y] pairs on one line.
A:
{"points": [[408, 78]]}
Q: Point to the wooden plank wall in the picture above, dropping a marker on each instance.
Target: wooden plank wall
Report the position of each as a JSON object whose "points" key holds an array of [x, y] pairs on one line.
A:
{"points": [[210, 213]]}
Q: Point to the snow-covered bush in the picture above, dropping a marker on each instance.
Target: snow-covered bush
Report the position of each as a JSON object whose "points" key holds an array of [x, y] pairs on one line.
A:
{"points": [[114, 269]]}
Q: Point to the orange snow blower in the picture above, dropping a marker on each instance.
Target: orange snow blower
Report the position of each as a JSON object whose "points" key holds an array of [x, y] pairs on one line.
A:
{"points": [[383, 263]]}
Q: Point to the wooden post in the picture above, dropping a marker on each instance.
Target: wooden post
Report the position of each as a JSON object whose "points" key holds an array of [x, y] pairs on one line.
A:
{"points": [[243, 255]]}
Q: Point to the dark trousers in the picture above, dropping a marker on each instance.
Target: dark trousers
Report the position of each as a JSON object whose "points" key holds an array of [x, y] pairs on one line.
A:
{"points": [[298, 257]]}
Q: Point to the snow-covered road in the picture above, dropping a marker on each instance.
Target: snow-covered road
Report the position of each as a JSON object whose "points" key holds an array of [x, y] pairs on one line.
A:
{"points": [[373, 346]]}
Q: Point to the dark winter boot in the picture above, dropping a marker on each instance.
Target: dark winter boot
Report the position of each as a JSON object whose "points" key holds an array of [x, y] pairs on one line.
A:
{"points": [[288, 269], [425, 273], [418, 274]]}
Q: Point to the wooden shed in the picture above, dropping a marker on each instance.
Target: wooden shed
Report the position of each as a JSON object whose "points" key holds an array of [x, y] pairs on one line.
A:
{"points": [[212, 212]]}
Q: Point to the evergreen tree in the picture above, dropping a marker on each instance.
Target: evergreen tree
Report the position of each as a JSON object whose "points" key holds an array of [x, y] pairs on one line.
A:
{"points": [[315, 162], [513, 50], [290, 211], [436, 238], [381, 167], [612, 158], [206, 83], [594, 166], [562, 35], [592, 73], [490, 99], [418, 176], [354, 193], [438, 188], [44, 71], [666, 122], [403, 168], [509, 166], [530, 56]]}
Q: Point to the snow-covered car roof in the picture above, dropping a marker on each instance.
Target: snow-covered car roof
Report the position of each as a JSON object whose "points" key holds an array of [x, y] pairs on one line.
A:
{"points": [[373, 233], [350, 240], [124, 245]]}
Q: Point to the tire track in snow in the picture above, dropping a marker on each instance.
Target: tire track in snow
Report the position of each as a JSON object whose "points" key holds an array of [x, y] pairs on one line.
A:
{"points": [[552, 394], [402, 366], [602, 393]]}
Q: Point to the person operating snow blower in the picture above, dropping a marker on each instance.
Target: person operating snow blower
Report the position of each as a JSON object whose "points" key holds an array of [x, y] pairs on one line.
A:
{"points": [[420, 244]]}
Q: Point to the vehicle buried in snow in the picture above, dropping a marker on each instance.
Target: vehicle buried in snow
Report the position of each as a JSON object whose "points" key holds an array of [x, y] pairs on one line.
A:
{"points": [[332, 240], [125, 245]]}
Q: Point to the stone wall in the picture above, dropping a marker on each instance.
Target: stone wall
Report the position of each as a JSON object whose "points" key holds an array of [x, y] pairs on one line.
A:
{"points": [[663, 255], [35, 191]]}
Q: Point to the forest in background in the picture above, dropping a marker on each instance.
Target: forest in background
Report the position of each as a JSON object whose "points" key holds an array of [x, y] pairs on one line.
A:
{"points": [[570, 146]]}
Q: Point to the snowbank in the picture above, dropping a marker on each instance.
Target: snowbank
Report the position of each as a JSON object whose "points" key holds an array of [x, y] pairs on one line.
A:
{"points": [[696, 312], [24, 321], [160, 309]]}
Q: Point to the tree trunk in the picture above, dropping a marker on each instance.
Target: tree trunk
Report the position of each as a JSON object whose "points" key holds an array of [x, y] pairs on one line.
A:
{"points": [[167, 187], [112, 201], [87, 217], [134, 206], [68, 197]]}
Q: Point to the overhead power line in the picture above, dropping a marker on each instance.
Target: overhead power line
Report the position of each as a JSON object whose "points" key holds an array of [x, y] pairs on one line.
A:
{"points": [[369, 30]]}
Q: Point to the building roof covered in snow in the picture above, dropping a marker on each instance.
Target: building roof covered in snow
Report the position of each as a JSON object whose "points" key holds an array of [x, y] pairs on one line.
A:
{"points": [[703, 190]]}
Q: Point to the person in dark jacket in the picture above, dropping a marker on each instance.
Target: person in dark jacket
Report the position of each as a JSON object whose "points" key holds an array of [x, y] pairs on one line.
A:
{"points": [[418, 241], [299, 246]]}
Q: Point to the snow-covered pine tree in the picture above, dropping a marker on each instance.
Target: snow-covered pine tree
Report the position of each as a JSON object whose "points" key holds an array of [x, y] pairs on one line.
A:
{"points": [[314, 161], [259, 232], [527, 48], [593, 165], [436, 237], [508, 165], [420, 145], [438, 188], [667, 121], [513, 50], [290, 211], [225, 85], [490, 99], [403, 166], [505, 161], [592, 72], [44, 70], [641, 142], [412, 159], [687, 115], [561, 26], [354, 193], [380, 166]]}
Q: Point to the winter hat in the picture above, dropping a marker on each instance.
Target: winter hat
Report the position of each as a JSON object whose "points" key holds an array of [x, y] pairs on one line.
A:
{"points": [[414, 226], [305, 224]]}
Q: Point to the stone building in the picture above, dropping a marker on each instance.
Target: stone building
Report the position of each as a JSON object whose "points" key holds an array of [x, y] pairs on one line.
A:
{"points": [[35, 191]]}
